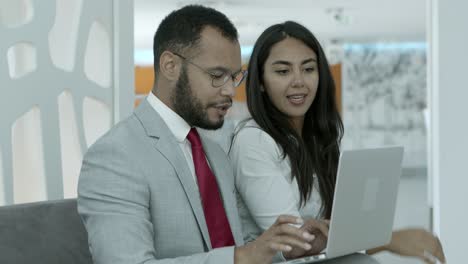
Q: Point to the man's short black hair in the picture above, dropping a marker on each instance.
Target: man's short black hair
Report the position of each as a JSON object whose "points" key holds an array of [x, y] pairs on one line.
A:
{"points": [[181, 29]]}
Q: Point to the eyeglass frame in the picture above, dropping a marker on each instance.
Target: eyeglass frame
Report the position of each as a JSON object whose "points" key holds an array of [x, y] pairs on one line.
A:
{"points": [[227, 75]]}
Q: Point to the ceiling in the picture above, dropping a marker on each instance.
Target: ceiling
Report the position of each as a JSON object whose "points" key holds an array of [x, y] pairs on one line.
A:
{"points": [[333, 21]]}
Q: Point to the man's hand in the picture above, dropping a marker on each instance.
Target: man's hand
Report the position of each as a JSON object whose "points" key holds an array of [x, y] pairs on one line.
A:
{"points": [[319, 230], [281, 236], [415, 243]]}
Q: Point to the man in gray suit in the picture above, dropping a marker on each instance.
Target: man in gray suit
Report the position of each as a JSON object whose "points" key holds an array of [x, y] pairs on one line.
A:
{"points": [[152, 190]]}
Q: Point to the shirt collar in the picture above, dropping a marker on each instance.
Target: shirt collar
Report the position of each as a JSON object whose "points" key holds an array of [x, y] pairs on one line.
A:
{"points": [[177, 125]]}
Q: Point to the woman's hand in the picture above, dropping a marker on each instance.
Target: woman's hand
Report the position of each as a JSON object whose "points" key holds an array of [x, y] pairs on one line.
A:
{"points": [[415, 242], [319, 230], [282, 236]]}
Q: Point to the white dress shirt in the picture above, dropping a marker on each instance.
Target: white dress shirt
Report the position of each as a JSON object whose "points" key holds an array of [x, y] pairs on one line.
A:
{"points": [[178, 127], [263, 180]]}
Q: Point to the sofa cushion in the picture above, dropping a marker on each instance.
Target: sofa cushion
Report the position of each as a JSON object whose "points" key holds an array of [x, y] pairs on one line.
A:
{"points": [[46, 232]]}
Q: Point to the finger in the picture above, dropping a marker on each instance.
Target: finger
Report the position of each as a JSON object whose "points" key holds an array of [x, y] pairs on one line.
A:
{"points": [[300, 233], [326, 222], [312, 223], [291, 241], [427, 257], [288, 230], [439, 255], [439, 252], [288, 219], [279, 247], [325, 227], [428, 261]]}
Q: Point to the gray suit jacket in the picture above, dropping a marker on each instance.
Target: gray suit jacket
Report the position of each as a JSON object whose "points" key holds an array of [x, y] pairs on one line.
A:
{"points": [[139, 201]]}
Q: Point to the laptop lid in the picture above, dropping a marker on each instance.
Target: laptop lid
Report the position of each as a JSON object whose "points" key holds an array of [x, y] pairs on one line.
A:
{"points": [[364, 200]]}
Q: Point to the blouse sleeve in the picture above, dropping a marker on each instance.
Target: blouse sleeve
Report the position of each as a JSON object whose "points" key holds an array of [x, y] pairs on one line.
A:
{"points": [[260, 177]]}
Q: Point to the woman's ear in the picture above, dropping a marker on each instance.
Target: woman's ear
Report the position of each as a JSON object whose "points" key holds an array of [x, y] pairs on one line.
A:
{"points": [[169, 66]]}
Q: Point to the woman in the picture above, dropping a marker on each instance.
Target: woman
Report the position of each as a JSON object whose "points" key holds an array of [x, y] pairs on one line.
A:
{"points": [[286, 156]]}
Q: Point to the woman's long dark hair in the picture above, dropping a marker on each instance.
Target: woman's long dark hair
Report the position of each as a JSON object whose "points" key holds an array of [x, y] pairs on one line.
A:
{"points": [[317, 151]]}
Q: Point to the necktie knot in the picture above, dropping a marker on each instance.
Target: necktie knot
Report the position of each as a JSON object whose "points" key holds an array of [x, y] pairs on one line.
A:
{"points": [[194, 138]]}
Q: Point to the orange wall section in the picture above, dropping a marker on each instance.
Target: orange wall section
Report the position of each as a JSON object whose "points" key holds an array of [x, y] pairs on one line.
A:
{"points": [[336, 73], [144, 78]]}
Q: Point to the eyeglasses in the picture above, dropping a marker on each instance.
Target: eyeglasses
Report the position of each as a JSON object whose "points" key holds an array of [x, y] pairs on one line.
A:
{"points": [[221, 78]]}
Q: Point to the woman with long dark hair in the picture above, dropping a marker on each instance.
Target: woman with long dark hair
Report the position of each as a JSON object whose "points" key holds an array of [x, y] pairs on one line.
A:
{"points": [[286, 155]]}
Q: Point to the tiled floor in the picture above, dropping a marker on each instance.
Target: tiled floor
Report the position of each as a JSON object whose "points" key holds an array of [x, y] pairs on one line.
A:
{"points": [[412, 211]]}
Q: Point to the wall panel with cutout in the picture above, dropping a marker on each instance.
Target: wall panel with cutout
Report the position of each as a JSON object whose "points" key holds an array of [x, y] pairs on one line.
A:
{"points": [[66, 75]]}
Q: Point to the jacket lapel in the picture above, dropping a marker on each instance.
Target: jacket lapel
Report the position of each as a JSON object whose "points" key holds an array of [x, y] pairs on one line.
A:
{"points": [[167, 145]]}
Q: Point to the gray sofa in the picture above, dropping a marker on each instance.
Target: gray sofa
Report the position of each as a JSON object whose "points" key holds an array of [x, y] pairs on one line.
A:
{"points": [[52, 233], [45, 232]]}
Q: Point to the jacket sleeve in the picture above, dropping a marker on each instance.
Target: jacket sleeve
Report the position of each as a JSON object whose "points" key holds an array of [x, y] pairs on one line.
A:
{"points": [[113, 202]]}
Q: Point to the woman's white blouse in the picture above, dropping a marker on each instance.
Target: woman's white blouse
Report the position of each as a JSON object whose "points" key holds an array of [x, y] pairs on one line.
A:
{"points": [[263, 181]]}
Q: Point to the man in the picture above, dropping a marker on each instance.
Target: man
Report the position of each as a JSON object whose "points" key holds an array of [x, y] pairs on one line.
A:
{"points": [[152, 190]]}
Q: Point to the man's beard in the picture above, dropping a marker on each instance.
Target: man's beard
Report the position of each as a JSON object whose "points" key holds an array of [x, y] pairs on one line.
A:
{"points": [[190, 108]]}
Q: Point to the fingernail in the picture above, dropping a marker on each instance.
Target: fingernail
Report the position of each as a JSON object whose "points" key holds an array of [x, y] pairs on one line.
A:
{"points": [[308, 236], [287, 248], [299, 221], [307, 246]]}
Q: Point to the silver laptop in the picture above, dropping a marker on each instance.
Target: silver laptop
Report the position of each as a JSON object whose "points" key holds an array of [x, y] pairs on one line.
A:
{"points": [[364, 202]]}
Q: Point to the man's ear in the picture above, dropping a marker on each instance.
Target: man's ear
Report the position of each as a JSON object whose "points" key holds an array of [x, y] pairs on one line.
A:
{"points": [[169, 66]]}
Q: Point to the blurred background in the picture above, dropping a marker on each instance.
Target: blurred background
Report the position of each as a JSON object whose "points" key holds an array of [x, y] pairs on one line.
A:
{"points": [[70, 69]]}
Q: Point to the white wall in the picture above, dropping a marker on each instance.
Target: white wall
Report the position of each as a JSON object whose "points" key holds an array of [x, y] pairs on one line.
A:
{"points": [[448, 157], [66, 75]]}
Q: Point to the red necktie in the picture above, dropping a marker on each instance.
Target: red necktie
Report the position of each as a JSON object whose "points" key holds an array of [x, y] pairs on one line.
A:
{"points": [[215, 215]]}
